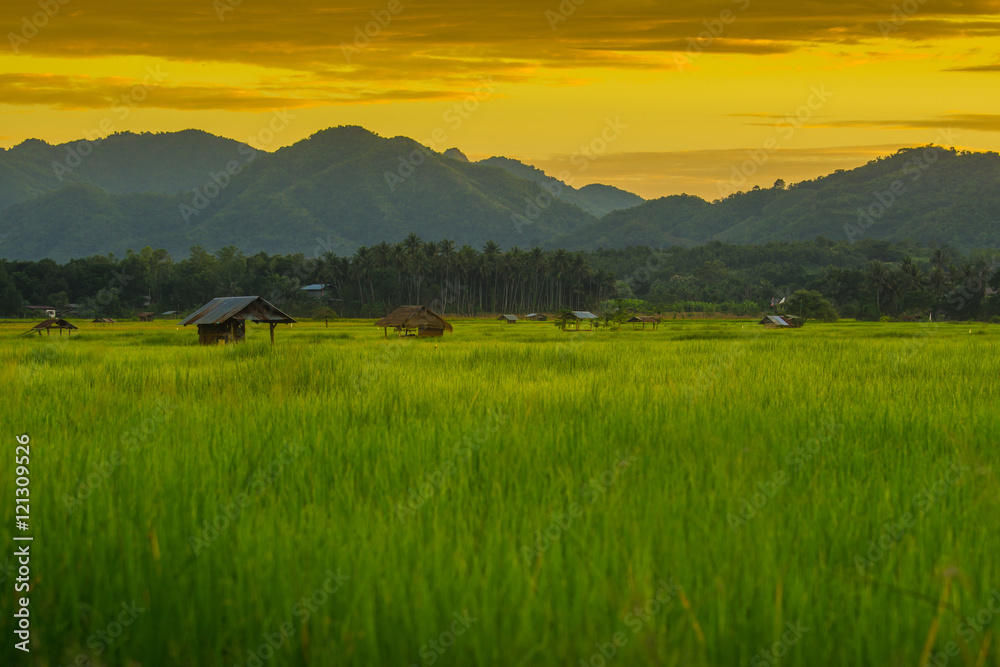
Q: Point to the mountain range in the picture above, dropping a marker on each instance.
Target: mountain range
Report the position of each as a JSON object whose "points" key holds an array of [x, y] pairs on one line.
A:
{"points": [[346, 187]]}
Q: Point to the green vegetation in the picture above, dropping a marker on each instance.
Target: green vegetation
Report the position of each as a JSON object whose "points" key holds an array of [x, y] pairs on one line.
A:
{"points": [[345, 187], [917, 194], [539, 485]]}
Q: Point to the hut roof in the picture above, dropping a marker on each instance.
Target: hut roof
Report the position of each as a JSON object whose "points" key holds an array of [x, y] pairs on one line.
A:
{"points": [[509, 318], [53, 323], [225, 308], [584, 315], [644, 318], [103, 320], [775, 320], [414, 317]]}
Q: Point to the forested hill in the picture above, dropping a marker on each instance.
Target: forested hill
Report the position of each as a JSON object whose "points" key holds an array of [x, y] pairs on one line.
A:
{"points": [[335, 191], [345, 188], [924, 194]]}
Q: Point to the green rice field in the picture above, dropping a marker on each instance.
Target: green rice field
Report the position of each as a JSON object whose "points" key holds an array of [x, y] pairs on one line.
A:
{"points": [[711, 493]]}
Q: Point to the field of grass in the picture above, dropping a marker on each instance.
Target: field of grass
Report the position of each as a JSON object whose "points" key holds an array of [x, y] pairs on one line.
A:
{"points": [[707, 494]]}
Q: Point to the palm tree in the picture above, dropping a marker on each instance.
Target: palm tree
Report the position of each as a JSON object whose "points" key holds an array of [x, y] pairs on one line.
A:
{"points": [[878, 277]]}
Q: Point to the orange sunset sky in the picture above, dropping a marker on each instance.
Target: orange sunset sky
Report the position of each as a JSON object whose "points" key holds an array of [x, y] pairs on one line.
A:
{"points": [[693, 86]]}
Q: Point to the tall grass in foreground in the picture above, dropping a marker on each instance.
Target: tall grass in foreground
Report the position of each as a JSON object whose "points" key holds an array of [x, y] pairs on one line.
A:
{"points": [[340, 499]]}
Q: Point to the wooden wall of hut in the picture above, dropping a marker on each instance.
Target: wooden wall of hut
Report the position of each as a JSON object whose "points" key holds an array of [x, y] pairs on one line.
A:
{"points": [[231, 331]]}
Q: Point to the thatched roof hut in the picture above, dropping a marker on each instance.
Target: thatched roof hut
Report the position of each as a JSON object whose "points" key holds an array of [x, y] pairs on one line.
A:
{"points": [[415, 320], [103, 320], [536, 317], [224, 319], [53, 323]]}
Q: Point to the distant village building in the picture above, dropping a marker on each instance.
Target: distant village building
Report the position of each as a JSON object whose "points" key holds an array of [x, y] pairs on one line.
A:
{"points": [[508, 319], [780, 322], [49, 311], [145, 317], [103, 320], [315, 291], [418, 321], [53, 323], [580, 316], [536, 317], [644, 320], [223, 320]]}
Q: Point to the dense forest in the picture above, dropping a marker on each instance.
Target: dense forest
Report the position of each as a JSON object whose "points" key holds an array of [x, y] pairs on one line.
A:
{"points": [[866, 280]]}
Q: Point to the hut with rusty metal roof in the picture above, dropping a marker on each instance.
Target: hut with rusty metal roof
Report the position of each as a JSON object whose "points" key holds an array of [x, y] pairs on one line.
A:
{"points": [[508, 319], [224, 319], [418, 321], [536, 317], [779, 322], [644, 320], [145, 317], [53, 323]]}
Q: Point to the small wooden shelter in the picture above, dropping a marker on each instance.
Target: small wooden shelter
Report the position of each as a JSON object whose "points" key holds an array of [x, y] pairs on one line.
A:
{"points": [[418, 321], [53, 323], [224, 319], [580, 316], [780, 322], [644, 320], [145, 317], [508, 319], [536, 317], [103, 320]]}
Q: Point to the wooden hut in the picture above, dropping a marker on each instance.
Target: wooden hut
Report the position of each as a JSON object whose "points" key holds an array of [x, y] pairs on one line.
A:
{"points": [[536, 317], [53, 323], [508, 319], [103, 320], [224, 319], [418, 321], [145, 317], [644, 320], [580, 316], [775, 322]]}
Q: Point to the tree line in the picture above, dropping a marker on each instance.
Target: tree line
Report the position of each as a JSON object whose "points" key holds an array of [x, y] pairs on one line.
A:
{"points": [[869, 279]]}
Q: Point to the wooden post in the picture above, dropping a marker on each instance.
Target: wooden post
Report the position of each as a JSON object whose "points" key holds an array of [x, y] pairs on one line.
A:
{"points": [[272, 332]]}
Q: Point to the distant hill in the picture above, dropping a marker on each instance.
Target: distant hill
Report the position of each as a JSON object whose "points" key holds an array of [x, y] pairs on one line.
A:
{"points": [[339, 189], [596, 199], [940, 195], [346, 187], [168, 163]]}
